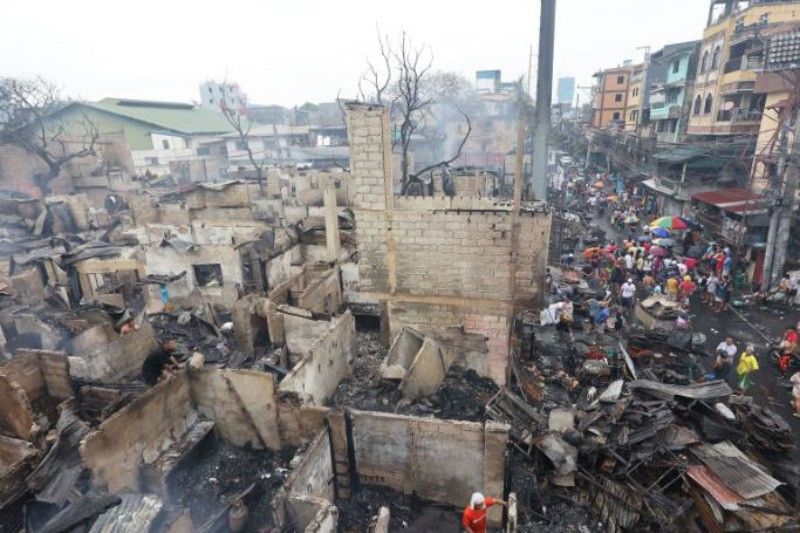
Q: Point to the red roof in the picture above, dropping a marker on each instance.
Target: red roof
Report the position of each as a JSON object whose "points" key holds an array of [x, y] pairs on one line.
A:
{"points": [[725, 196], [735, 200]]}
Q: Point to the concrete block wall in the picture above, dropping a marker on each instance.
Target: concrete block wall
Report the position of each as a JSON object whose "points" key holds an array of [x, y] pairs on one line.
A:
{"points": [[317, 375], [370, 158], [122, 356], [214, 393], [441, 460], [137, 433], [298, 423], [438, 262]]}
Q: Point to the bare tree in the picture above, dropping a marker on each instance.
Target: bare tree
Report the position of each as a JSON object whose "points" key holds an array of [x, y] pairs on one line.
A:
{"points": [[412, 67], [242, 126], [28, 119], [377, 78]]}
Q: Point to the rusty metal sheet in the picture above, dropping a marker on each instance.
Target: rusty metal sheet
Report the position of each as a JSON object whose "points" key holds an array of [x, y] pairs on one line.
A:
{"points": [[737, 470], [713, 485]]}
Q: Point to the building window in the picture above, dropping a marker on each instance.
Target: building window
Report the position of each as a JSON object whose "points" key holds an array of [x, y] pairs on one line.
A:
{"points": [[617, 97], [698, 104], [151, 161], [676, 66], [620, 79], [763, 20], [208, 275], [210, 91], [165, 144], [203, 150], [704, 63], [709, 105], [616, 115], [241, 144], [715, 58]]}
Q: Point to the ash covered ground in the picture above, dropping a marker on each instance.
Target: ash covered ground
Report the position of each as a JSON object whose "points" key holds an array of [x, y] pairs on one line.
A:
{"points": [[406, 513], [462, 395], [217, 472]]}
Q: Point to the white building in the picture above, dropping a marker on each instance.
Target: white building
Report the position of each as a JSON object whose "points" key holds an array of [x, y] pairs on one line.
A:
{"points": [[212, 94]]}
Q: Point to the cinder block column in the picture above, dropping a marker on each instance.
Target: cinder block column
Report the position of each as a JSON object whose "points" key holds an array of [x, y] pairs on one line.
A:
{"points": [[370, 157], [331, 222]]}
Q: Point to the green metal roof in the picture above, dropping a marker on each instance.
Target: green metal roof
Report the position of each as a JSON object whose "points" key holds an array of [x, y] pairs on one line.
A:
{"points": [[178, 117]]}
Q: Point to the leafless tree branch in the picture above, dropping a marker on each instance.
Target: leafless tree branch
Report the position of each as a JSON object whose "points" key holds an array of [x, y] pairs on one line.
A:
{"points": [[28, 119]]}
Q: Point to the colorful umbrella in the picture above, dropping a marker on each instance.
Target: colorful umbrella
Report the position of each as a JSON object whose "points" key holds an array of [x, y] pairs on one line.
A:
{"points": [[671, 223], [666, 243], [593, 252], [658, 251], [661, 232], [631, 219]]}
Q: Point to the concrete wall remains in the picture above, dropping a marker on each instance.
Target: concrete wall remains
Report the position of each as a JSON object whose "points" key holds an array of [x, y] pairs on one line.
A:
{"points": [[240, 402], [317, 375], [441, 263], [137, 433], [111, 356], [428, 457]]}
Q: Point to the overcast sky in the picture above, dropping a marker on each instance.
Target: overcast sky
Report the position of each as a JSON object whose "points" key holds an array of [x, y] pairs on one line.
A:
{"points": [[292, 51]]}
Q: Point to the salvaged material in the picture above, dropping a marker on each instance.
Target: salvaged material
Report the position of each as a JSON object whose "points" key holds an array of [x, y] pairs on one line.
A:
{"points": [[696, 391]]}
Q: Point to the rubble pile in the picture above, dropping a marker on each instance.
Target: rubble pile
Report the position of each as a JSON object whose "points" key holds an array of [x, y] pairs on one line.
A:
{"points": [[638, 446], [462, 395], [406, 513], [217, 473]]}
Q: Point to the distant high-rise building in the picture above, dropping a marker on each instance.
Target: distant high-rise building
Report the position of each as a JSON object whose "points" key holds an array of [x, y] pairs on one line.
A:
{"points": [[566, 90], [212, 94]]}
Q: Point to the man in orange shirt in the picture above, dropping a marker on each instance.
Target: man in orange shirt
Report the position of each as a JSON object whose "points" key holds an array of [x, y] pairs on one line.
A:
{"points": [[474, 518]]}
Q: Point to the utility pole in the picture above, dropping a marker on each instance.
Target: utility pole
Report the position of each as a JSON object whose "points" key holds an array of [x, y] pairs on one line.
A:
{"points": [[775, 210], [792, 172], [530, 69], [544, 97]]}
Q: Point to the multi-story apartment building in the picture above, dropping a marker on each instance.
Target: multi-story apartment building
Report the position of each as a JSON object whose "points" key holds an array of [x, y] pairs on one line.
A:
{"points": [[611, 96], [731, 54], [636, 97], [670, 77]]}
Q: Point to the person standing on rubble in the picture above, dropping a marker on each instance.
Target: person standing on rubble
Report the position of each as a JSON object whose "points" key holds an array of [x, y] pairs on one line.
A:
{"points": [[795, 381], [474, 517], [160, 362], [726, 351], [748, 364]]}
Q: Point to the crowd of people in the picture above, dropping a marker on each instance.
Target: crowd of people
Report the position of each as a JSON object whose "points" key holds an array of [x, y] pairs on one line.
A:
{"points": [[644, 255]]}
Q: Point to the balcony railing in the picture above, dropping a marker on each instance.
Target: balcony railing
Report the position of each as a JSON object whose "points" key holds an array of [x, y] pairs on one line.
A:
{"points": [[743, 63], [739, 115]]}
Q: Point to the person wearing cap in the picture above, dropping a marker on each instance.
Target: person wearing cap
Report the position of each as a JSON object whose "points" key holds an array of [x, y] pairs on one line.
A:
{"points": [[474, 517]]}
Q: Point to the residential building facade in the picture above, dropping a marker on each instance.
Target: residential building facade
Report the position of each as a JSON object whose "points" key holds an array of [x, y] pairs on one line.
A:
{"points": [[731, 54], [635, 100], [611, 95], [671, 77]]}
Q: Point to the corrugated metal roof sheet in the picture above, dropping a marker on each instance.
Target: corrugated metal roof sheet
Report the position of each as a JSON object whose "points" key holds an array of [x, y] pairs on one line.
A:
{"points": [[721, 197], [176, 117], [697, 391], [712, 484], [737, 470]]}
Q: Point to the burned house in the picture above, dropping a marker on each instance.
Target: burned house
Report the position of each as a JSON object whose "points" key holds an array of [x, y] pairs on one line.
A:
{"points": [[454, 267]]}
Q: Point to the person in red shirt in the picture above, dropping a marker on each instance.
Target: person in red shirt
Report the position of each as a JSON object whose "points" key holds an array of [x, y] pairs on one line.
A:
{"points": [[474, 518], [788, 349]]}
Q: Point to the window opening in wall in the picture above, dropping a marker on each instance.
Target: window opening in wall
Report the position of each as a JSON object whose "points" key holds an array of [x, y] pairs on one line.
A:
{"points": [[620, 79], [165, 144], [209, 275], [617, 97]]}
